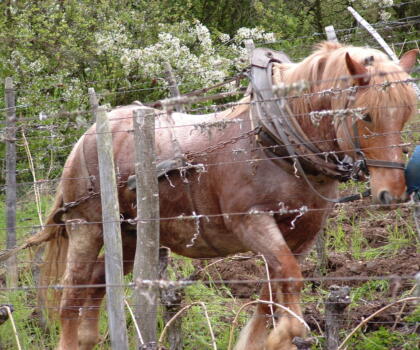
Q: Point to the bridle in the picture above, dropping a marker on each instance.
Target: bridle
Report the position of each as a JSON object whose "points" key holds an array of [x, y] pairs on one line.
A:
{"points": [[282, 135], [362, 162]]}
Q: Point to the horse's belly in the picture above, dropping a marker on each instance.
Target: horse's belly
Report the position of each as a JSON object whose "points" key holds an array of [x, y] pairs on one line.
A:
{"points": [[199, 238]]}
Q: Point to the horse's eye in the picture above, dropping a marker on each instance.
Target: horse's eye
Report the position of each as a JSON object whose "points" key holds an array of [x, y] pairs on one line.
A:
{"points": [[367, 118]]}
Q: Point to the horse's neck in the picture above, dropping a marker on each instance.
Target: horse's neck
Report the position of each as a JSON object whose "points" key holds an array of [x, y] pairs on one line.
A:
{"points": [[321, 131]]}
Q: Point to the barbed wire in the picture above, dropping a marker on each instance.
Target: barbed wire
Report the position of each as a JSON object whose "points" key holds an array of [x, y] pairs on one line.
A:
{"points": [[240, 151], [220, 123], [202, 167], [282, 211], [215, 302], [183, 283], [377, 25], [401, 4]]}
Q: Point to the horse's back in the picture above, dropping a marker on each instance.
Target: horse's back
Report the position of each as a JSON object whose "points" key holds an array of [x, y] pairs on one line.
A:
{"points": [[191, 132]]}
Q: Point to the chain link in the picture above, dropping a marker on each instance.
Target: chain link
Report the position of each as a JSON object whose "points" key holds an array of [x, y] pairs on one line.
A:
{"points": [[66, 206], [191, 155]]}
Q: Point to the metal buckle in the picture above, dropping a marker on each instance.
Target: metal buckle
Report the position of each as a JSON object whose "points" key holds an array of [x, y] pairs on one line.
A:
{"points": [[359, 170]]}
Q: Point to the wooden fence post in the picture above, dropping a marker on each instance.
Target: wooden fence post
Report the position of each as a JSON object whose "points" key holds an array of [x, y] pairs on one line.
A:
{"points": [[335, 304], [173, 86], [93, 101], [331, 36], [12, 272], [250, 46], [417, 280], [146, 262], [321, 252], [111, 233]]}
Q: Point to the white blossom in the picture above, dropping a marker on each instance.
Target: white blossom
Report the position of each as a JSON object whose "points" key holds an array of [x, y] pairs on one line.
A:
{"points": [[385, 16], [113, 40], [224, 38], [42, 116], [254, 34]]}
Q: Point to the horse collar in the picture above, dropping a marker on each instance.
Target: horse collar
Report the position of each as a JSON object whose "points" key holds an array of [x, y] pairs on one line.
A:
{"points": [[280, 135]]}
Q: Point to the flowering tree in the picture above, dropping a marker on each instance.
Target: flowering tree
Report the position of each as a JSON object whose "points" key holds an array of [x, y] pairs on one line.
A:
{"points": [[197, 60]]}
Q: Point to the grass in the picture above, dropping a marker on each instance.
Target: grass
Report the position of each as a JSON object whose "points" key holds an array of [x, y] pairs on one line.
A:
{"points": [[30, 333], [384, 339]]}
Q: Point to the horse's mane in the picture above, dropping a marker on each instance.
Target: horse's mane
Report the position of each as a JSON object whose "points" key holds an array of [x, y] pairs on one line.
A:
{"points": [[326, 67]]}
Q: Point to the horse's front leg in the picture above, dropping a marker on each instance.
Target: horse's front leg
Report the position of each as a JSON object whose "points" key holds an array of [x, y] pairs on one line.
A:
{"points": [[85, 242], [254, 335], [261, 234]]}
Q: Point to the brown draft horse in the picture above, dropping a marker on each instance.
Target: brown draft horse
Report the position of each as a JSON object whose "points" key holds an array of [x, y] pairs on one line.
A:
{"points": [[233, 184]]}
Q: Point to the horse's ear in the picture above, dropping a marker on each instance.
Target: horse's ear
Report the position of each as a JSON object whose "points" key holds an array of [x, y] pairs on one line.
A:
{"points": [[408, 60], [357, 70]]}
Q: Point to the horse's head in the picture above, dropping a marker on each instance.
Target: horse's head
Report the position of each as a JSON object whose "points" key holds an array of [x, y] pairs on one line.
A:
{"points": [[365, 81], [387, 101]]}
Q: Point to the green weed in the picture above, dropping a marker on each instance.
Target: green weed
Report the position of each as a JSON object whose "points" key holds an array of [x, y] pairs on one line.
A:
{"points": [[369, 291]]}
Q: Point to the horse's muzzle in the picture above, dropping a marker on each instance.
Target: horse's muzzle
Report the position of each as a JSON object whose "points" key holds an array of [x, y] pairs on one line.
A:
{"points": [[385, 198]]}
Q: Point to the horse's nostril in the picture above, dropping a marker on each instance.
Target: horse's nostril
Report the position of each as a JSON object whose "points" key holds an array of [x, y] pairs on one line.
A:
{"points": [[385, 197]]}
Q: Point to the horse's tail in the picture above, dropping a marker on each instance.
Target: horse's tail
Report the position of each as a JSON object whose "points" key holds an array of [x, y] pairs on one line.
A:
{"points": [[55, 255], [53, 235]]}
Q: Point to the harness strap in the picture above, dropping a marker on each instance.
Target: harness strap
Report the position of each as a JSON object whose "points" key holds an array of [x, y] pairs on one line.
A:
{"points": [[384, 164], [367, 161]]}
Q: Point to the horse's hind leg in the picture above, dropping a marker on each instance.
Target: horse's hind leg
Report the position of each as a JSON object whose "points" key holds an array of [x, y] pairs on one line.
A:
{"points": [[261, 234], [89, 325], [85, 242]]}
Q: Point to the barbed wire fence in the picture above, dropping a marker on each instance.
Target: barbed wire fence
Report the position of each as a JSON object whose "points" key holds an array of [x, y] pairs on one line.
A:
{"points": [[146, 323]]}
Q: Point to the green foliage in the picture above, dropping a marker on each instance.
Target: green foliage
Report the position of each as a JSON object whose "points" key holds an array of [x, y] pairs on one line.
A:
{"points": [[337, 239], [27, 220], [399, 234], [221, 311], [414, 316]]}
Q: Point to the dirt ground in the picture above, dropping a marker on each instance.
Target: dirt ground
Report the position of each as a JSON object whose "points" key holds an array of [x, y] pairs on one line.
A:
{"points": [[405, 262]]}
